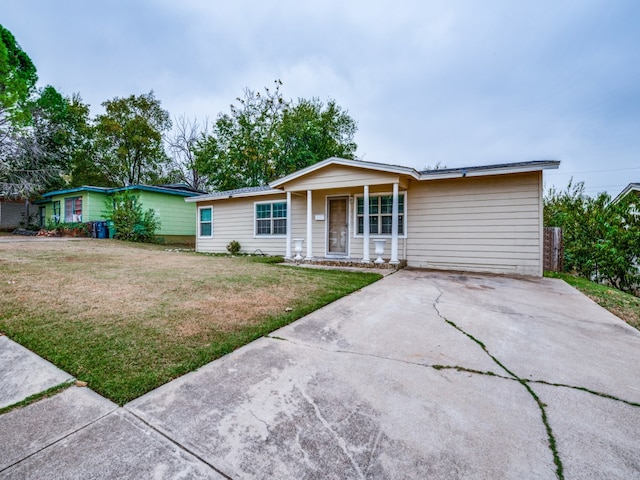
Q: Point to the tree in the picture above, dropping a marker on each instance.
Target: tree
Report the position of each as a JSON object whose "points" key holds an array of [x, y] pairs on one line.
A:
{"points": [[62, 126], [39, 130], [601, 238], [265, 137], [184, 167], [17, 82], [311, 132], [242, 147], [128, 139], [18, 78]]}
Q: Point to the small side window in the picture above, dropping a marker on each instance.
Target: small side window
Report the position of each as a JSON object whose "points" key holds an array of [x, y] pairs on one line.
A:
{"points": [[205, 221]]}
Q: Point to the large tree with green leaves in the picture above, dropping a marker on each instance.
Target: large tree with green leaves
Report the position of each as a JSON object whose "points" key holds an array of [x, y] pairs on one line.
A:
{"points": [[18, 77], [33, 127], [311, 131], [128, 139], [63, 128], [265, 137]]}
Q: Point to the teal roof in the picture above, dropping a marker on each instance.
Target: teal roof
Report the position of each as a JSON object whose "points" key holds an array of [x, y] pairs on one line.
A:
{"points": [[75, 190], [169, 190]]}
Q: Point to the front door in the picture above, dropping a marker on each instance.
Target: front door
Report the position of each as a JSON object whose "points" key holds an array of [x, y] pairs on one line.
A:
{"points": [[338, 225]]}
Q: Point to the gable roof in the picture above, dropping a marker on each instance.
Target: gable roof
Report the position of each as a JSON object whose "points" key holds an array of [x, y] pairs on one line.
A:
{"points": [[496, 169], [274, 187], [382, 167], [632, 187]]}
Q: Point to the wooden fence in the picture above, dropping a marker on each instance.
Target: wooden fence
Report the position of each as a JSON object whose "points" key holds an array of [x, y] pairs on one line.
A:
{"points": [[553, 251]]}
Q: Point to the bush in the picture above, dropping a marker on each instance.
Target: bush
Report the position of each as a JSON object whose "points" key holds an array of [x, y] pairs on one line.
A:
{"points": [[129, 220], [601, 238], [70, 229], [234, 247]]}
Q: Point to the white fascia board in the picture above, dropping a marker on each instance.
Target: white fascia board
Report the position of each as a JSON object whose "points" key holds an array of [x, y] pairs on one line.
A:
{"points": [[632, 187], [347, 163], [499, 170], [212, 197]]}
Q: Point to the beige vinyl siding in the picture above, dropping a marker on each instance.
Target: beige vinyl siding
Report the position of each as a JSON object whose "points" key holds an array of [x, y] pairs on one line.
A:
{"points": [[233, 219], [339, 177], [489, 224]]}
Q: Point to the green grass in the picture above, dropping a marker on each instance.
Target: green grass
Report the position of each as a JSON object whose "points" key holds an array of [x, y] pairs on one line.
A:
{"points": [[621, 304], [36, 397], [128, 318]]}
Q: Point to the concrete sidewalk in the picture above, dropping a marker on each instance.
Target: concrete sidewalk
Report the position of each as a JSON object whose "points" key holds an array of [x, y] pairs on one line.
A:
{"points": [[421, 375]]}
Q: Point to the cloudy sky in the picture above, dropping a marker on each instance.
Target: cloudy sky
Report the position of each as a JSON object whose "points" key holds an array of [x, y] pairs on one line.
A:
{"points": [[452, 82]]}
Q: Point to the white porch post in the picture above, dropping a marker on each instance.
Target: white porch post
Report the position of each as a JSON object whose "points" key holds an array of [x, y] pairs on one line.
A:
{"points": [[309, 225], [365, 228], [394, 226], [287, 254]]}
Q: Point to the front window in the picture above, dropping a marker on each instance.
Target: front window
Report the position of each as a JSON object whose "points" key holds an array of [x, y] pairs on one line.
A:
{"points": [[271, 218], [205, 218], [56, 212], [73, 209], [380, 214]]}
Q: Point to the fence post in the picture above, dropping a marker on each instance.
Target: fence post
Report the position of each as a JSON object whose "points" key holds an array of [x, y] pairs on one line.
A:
{"points": [[553, 249]]}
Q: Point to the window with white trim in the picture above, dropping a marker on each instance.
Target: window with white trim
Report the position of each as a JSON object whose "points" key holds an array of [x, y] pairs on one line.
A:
{"points": [[271, 218], [73, 209], [56, 212], [380, 214], [205, 222]]}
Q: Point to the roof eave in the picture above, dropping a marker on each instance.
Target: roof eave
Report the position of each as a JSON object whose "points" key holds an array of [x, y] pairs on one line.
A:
{"points": [[151, 188], [488, 170], [632, 187], [222, 196], [76, 189]]}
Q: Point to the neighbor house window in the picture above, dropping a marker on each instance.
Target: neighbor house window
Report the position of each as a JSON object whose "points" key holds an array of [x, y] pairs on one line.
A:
{"points": [[56, 212], [73, 209], [380, 218], [271, 218], [205, 218]]}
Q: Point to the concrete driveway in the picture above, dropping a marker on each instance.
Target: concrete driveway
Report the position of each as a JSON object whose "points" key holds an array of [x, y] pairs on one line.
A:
{"points": [[421, 375]]}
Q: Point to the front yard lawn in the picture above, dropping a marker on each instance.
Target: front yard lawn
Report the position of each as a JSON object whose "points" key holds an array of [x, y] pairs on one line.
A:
{"points": [[127, 318], [621, 304]]}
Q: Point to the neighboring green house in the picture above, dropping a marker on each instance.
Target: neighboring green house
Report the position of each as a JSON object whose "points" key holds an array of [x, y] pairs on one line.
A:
{"points": [[87, 204]]}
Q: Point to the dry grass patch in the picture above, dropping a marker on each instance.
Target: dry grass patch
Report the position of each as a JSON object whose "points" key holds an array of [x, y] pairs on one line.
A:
{"points": [[129, 317]]}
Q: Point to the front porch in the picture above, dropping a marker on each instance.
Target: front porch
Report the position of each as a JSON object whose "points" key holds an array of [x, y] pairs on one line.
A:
{"points": [[362, 225], [347, 263]]}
